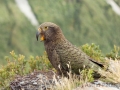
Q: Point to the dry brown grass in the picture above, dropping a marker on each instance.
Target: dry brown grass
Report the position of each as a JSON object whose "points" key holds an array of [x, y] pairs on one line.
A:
{"points": [[67, 84], [113, 73], [73, 81]]}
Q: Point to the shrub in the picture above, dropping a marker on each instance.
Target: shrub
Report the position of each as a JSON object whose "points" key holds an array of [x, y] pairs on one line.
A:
{"points": [[18, 65], [93, 51], [114, 54]]}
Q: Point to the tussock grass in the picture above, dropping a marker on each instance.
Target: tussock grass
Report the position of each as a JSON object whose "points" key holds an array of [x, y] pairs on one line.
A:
{"points": [[74, 80], [67, 83], [113, 72]]}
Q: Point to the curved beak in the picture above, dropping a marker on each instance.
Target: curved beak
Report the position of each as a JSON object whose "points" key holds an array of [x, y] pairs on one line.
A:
{"points": [[37, 34], [41, 34]]}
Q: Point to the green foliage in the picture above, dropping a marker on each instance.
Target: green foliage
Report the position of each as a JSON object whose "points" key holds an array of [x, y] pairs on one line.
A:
{"points": [[93, 51], [39, 63], [115, 53], [16, 32], [87, 75], [18, 65]]}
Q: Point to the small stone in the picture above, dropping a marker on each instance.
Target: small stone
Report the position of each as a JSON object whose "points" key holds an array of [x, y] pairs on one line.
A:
{"points": [[22, 83], [98, 82], [39, 76], [35, 83]]}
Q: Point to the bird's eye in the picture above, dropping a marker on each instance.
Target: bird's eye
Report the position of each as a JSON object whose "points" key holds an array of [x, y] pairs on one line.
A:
{"points": [[46, 27]]}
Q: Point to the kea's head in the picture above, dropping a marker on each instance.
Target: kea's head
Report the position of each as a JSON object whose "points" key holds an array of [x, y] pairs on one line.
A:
{"points": [[49, 32]]}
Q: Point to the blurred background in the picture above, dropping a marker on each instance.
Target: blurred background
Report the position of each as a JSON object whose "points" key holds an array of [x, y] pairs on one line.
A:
{"points": [[82, 21]]}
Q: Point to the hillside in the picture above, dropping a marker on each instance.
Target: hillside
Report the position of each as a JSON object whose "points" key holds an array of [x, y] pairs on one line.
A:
{"points": [[82, 21]]}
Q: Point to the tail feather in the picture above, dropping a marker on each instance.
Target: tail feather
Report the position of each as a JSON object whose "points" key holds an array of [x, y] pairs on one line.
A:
{"points": [[99, 64]]}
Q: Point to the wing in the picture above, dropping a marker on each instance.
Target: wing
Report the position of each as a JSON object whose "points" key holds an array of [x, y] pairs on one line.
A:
{"points": [[62, 69], [55, 61]]}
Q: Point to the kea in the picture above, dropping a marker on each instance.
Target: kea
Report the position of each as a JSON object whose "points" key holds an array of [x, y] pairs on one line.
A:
{"points": [[61, 53]]}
